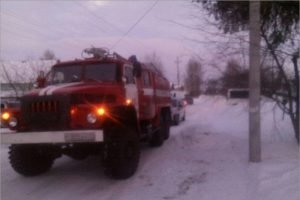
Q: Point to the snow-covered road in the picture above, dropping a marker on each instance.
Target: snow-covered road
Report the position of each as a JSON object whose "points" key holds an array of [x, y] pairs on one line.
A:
{"points": [[205, 158]]}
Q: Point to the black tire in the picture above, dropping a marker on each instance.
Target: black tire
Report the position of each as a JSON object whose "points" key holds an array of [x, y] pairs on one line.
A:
{"points": [[121, 153], [166, 125], [176, 120], [30, 160], [162, 133], [157, 138]]}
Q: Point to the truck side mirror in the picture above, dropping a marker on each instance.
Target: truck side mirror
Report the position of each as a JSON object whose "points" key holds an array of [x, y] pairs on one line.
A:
{"points": [[125, 79]]}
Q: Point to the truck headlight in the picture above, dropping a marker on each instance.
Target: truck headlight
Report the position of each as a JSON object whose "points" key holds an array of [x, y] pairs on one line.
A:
{"points": [[13, 122], [91, 118], [101, 111], [5, 115]]}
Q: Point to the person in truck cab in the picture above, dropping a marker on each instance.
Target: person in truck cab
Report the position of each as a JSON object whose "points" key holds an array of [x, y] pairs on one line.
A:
{"points": [[136, 65]]}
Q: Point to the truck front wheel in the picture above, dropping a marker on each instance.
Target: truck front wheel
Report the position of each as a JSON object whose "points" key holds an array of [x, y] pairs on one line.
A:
{"points": [[30, 160], [121, 154]]}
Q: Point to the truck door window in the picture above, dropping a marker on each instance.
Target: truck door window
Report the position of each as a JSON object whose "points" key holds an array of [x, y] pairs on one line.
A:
{"points": [[146, 79], [128, 73]]}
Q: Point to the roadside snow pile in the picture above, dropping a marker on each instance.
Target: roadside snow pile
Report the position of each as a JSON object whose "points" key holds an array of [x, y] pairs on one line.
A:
{"points": [[277, 177], [205, 158], [232, 119]]}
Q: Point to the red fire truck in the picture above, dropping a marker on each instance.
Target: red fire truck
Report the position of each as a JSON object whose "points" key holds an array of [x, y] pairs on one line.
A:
{"points": [[102, 105]]}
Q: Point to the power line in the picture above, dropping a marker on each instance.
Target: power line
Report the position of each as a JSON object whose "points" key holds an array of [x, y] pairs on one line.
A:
{"points": [[36, 28], [11, 33], [98, 17], [133, 26], [20, 23], [106, 21], [91, 14], [31, 26]]}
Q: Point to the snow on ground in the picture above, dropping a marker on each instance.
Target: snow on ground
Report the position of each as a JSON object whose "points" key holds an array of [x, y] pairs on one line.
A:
{"points": [[205, 158]]}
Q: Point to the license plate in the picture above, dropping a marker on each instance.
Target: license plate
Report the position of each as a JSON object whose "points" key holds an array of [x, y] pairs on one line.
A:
{"points": [[80, 137]]}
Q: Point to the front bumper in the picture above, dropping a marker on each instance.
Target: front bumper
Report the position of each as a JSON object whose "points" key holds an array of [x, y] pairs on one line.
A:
{"points": [[78, 136]]}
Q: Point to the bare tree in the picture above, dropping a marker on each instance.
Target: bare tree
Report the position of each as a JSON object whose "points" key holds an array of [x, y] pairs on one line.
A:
{"points": [[213, 86], [234, 76], [279, 29], [237, 76], [193, 78], [155, 60], [20, 76], [48, 55]]}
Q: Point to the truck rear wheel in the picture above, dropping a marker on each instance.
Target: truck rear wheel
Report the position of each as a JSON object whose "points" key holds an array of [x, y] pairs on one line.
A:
{"points": [[163, 133], [30, 160], [121, 153], [166, 125], [176, 119], [157, 138]]}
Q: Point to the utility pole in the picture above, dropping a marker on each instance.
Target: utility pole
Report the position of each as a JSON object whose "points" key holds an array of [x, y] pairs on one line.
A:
{"points": [[178, 72], [254, 83]]}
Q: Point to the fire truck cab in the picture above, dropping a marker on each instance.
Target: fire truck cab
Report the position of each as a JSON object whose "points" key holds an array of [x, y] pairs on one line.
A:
{"points": [[102, 105]]}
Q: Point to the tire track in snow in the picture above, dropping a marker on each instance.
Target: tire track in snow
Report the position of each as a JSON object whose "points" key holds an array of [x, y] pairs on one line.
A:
{"points": [[184, 186]]}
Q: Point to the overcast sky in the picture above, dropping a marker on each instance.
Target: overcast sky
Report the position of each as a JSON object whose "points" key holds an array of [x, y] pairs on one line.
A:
{"points": [[28, 28]]}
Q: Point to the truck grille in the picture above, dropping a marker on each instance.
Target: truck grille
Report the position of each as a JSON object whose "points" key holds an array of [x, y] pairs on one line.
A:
{"points": [[44, 106], [46, 113]]}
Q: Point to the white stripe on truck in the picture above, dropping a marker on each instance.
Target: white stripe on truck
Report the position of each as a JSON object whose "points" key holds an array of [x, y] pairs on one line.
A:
{"points": [[163, 93], [52, 88]]}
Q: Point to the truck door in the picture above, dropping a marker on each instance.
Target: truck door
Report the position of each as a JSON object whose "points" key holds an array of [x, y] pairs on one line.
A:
{"points": [[147, 106], [131, 87]]}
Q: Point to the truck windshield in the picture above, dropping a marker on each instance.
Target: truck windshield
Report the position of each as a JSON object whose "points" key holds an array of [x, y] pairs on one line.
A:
{"points": [[101, 72], [74, 73]]}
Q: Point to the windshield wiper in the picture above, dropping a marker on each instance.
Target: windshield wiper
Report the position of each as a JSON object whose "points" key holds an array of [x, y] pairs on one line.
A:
{"points": [[75, 78]]}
